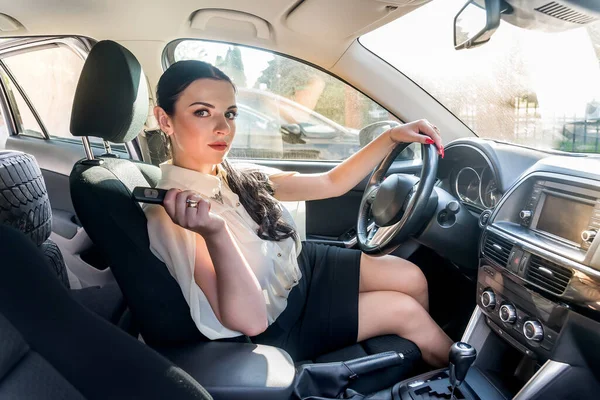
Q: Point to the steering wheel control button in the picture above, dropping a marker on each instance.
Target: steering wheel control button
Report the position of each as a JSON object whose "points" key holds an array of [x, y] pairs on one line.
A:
{"points": [[508, 313], [588, 236], [488, 299], [533, 330], [484, 218]]}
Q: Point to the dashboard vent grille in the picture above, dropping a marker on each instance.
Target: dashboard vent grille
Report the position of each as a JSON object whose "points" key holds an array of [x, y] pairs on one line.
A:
{"points": [[497, 248], [559, 11], [548, 275]]}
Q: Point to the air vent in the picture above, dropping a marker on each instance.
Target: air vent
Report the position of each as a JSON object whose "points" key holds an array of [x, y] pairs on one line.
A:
{"points": [[497, 248], [564, 13], [548, 275]]}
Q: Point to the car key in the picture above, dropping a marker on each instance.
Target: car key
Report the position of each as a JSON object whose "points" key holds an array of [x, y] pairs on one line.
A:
{"points": [[149, 195]]}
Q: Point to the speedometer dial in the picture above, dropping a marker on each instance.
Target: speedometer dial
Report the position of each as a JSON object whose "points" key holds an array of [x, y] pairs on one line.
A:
{"points": [[467, 185], [488, 190], [491, 195]]}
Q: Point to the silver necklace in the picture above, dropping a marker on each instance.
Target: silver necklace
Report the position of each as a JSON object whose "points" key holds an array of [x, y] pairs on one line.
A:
{"points": [[218, 196]]}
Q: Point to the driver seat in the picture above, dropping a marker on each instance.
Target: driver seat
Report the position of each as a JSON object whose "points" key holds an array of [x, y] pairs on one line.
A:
{"points": [[111, 102]]}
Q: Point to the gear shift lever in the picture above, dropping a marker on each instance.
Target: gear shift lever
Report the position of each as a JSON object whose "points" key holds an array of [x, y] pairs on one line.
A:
{"points": [[461, 357]]}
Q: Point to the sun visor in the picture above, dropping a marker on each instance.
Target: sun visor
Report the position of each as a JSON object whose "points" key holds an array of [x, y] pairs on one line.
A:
{"points": [[229, 21], [339, 19]]}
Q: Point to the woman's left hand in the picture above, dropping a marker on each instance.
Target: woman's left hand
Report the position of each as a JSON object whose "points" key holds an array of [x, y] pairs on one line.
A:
{"points": [[421, 131]]}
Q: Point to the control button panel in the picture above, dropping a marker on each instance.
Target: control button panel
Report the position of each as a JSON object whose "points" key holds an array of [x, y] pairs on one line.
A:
{"points": [[526, 214], [521, 328]]}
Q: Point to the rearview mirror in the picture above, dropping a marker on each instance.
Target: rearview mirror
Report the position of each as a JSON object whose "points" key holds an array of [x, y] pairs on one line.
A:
{"points": [[475, 23]]}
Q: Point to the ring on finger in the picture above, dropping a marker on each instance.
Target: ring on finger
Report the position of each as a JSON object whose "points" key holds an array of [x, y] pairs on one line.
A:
{"points": [[191, 203]]}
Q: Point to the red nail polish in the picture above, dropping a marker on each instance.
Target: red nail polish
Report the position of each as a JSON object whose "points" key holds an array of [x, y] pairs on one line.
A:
{"points": [[442, 152], [429, 141]]}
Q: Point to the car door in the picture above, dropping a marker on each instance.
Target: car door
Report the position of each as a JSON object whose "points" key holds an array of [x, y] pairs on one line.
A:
{"points": [[329, 115], [39, 78]]}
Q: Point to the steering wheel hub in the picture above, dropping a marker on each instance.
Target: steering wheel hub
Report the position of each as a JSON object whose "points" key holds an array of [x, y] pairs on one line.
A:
{"points": [[391, 196]]}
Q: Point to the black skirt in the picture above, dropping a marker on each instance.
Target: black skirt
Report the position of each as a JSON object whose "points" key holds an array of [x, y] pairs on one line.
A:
{"points": [[322, 311]]}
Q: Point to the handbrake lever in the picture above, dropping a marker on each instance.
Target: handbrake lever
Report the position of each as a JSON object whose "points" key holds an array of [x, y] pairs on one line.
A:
{"points": [[365, 365]]}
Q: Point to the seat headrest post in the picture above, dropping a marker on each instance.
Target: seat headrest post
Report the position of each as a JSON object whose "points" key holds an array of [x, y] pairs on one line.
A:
{"points": [[89, 154], [108, 150]]}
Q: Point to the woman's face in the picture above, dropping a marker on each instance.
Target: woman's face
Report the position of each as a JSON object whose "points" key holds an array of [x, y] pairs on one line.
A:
{"points": [[202, 126]]}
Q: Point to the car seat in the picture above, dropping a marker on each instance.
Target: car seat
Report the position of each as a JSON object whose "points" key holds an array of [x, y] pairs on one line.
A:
{"points": [[51, 347], [111, 102]]}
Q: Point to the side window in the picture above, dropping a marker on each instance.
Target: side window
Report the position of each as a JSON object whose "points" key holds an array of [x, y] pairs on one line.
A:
{"points": [[289, 110], [26, 122], [49, 77]]}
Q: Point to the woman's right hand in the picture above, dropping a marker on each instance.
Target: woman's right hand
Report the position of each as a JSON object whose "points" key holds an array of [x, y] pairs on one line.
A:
{"points": [[197, 219]]}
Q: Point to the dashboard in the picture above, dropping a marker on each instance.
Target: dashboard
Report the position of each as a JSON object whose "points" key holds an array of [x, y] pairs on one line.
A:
{"points": [[538, 251]]}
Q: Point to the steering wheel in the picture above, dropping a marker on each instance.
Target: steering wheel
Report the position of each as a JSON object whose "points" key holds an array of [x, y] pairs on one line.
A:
{"points": [[396, 207]]}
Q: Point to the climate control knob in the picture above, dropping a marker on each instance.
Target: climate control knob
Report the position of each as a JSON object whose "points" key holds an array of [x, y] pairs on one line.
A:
{"points": [[488, 299], [533, 330], [508, 313]]}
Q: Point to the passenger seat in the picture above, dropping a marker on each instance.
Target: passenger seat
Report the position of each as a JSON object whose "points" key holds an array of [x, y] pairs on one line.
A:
{"points": [[53, 348]]}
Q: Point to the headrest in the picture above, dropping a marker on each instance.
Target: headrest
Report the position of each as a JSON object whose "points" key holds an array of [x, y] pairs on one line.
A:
{"points": [[111, 101]]}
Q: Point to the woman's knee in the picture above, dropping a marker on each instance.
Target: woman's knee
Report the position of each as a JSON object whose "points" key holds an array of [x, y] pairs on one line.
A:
{"points": [[406, 310], [415, 276]]}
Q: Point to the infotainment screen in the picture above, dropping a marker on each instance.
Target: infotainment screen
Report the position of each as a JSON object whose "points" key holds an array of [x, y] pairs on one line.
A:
{"points": [[564, 217]]}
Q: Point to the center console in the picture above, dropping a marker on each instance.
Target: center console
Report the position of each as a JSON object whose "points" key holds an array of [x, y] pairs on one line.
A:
{"points": [[539, 265], [537, 260]]}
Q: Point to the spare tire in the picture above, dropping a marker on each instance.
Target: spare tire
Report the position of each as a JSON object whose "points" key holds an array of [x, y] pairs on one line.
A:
{"points": [[56, 261], [24, 202]]}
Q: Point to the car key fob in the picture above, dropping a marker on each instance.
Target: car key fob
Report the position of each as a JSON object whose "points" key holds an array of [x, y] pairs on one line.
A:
{"points": [[148, 195]]}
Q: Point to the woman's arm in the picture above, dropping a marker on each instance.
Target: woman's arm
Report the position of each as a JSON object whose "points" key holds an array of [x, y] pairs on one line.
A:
{"points": [[220, 270], [345, 176]]}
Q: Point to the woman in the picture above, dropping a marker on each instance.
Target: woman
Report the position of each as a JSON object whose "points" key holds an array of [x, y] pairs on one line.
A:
{"points": [[234, 250]]}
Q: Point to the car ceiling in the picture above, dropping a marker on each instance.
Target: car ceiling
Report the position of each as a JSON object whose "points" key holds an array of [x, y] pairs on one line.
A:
{"points": [[318, 31], [322, 32]]}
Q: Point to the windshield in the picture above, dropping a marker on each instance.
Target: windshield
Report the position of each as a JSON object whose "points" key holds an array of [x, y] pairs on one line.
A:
{"points": [[533, 88]]}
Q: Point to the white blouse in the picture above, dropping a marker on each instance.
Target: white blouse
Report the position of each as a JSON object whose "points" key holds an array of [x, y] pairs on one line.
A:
{"points": [[274, 264]]}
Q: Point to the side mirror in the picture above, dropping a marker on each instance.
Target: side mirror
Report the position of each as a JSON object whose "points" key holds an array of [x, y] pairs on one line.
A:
{"points": [[291, 129], [475, 23], [291, 133], [371, 131]]}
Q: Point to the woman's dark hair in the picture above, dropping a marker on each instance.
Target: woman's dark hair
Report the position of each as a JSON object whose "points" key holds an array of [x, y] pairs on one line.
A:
{"points": [[252, 187]]}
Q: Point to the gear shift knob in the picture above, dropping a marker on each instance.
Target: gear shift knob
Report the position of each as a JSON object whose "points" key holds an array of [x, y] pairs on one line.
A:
{"points": [[461, 357]]}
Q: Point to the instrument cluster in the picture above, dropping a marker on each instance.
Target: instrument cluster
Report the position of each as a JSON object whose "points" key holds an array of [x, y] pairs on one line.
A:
{"points": [[477, 186]]}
